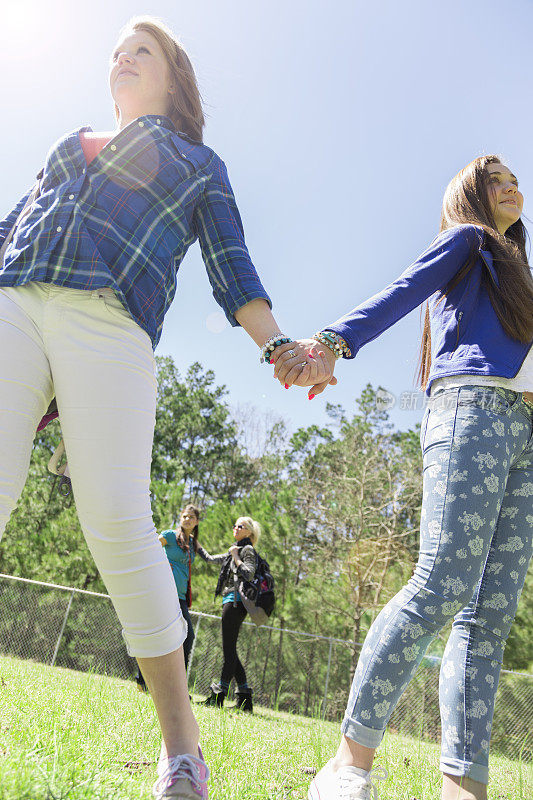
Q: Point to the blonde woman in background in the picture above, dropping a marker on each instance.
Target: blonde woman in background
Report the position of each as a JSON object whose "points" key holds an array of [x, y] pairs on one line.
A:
{"points": [[239, 562]]}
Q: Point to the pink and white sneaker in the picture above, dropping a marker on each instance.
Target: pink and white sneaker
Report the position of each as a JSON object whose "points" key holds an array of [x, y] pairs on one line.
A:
{"points": [[347, 783], [182, 778]]}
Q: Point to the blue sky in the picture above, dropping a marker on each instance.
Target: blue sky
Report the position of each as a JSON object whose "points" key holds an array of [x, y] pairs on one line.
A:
{"points": [[341, 123]]}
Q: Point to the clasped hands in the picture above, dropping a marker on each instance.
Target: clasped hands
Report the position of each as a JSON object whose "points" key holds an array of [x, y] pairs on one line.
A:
{"points": [[304, 362]]}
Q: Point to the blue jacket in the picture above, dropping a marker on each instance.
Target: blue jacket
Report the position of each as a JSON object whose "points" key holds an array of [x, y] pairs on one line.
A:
{"points": [[466, 335]]}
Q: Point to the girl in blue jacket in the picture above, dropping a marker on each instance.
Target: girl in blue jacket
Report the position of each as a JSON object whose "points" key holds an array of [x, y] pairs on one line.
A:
{"points": [[476, 527]]}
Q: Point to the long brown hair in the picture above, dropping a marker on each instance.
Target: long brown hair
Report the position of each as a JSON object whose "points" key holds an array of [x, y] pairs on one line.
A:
{"points": [[185, 102], [467, 200], [194, 535]]}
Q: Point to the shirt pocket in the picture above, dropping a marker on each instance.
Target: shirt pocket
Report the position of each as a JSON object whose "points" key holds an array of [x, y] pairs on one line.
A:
{"points": [[183, 164], [458, 333]]}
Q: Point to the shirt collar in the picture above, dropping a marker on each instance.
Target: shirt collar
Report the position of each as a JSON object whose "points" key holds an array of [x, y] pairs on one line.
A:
{"points": [[155, 120], [158, 120]]}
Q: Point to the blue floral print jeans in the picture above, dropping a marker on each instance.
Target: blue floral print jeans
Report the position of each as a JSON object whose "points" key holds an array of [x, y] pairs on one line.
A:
{"points": [[476, 533]]}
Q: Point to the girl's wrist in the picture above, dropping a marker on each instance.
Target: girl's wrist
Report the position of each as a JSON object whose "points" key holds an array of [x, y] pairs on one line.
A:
{"points": [[257, 320], [334, 342]]}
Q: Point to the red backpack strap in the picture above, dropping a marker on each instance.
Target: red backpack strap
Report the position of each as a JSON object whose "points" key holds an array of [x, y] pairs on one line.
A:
{"points": [[188, 594]]}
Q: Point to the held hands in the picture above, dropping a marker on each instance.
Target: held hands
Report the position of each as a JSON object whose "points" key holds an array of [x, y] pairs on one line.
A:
{"points": [[304, 362], [234, 552]]}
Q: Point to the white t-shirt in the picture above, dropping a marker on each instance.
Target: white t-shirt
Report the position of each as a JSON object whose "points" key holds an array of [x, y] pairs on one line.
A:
{"points": [[522, 382]]}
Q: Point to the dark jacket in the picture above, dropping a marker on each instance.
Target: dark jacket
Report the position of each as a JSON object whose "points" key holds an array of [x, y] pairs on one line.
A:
{"points": [[229, 572]]}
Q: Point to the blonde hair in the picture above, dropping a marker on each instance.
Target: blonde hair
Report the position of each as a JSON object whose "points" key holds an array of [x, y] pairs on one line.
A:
{"points": [[185, 102], [254, 528]]}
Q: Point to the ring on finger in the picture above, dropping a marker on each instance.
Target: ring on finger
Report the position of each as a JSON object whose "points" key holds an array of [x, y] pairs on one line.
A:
{"points": [[291, 353]]}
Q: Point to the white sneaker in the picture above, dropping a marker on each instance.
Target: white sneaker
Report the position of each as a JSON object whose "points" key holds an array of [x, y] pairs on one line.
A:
{"points": [[182, 778], [348, 783]]}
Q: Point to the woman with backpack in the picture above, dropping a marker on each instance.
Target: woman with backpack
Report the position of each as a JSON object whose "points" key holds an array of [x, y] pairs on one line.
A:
{"points": [[238, 563], [476, 527]]}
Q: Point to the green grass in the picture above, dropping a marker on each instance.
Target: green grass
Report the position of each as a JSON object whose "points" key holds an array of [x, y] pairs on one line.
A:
{"points": [[72, 736]]}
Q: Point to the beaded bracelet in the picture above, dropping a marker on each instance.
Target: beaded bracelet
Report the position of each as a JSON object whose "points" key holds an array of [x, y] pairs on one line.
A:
{"points": [[271, 344], [346, 352], [334, 342], [331, 344]]}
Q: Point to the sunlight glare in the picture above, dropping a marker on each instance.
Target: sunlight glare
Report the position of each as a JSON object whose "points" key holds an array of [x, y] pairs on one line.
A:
{"points": [[22, 22]]}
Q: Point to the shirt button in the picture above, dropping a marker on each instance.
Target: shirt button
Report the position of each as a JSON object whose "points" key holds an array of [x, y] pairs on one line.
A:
{"points": [[71, 197], [59, 229], [158, 121], [141, 124], [113, 147]]}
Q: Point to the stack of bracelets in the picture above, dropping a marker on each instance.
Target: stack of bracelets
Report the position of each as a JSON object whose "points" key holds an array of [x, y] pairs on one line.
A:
{"points": [[335, 343], [327, 338], [271, 344]]}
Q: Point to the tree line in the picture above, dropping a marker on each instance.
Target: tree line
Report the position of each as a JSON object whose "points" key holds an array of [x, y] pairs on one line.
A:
{"points": [[339, 506]]}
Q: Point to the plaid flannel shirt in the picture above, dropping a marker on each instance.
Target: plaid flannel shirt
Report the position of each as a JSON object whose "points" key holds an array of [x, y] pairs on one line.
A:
{"points": [[127, 219]]}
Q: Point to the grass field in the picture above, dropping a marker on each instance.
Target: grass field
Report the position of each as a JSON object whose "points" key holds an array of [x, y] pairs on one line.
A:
{"points": [[71, 736]]}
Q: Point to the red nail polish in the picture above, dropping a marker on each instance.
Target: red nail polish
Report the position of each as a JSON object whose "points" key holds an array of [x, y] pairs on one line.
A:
{"points": [[310, 396], [286, 386], [310, 356]]}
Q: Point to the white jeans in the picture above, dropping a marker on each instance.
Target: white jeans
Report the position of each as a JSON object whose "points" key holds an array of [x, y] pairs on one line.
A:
{"points": [[84, 347]]}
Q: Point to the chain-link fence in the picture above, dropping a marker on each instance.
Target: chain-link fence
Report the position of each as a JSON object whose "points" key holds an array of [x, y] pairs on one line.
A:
{"points": [[62, 626], [289, 670]]}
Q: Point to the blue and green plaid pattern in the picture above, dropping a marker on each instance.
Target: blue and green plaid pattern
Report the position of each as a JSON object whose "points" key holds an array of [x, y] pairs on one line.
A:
{"points": [[127, 220]]}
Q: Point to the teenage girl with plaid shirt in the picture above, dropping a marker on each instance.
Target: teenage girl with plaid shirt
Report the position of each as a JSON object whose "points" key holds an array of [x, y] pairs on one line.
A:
{"points": [[88, 271]]}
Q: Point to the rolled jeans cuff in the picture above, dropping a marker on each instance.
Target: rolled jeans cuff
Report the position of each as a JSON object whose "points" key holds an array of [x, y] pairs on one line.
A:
{"points": [[160, 643], [367, 737], [467, 769]]}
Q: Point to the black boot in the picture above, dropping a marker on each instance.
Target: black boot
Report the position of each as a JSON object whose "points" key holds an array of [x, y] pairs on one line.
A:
{"points": [[244, 701], [217, 696], [141, 683]]}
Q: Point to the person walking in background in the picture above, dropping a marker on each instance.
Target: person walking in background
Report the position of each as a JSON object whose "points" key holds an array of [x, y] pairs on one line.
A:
{"points": [[476, 529], [239, 562], [88, 269], [181, 547]]}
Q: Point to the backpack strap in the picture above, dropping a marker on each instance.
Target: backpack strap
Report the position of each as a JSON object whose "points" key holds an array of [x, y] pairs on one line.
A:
{"points": [[188, 593]]}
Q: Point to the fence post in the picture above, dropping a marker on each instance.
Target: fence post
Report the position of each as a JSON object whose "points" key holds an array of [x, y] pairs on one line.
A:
{"points": [[62, 628], [324, 701], [267, 654], [191, 655]]}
